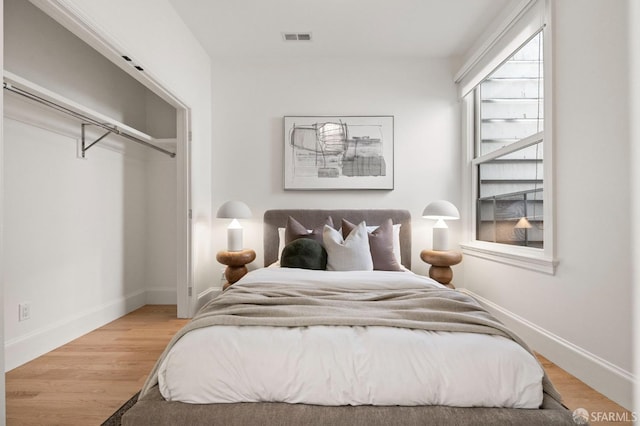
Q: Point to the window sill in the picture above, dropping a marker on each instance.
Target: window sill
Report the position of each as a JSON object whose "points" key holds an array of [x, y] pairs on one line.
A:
{"points": [[522, 257]]}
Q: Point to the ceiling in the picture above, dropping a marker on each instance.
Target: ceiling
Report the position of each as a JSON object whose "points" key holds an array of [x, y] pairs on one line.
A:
{"points": [[340, 28]]}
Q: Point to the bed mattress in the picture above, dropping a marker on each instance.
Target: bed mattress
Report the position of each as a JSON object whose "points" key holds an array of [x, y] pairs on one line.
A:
{"points": [[348, 365]]}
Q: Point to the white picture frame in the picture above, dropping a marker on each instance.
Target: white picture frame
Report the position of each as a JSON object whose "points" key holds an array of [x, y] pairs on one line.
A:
{"points": [[338, 152]]}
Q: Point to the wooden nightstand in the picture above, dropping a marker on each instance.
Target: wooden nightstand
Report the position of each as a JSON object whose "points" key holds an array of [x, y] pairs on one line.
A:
{"points": [[441, 262], [235, 261]]}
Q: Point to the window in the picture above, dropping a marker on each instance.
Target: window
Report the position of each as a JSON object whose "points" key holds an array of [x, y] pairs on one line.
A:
{"points": [[508, 150], [505, 94]]}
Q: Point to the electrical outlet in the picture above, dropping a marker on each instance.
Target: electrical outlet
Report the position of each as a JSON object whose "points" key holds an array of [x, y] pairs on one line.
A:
{"points": [[24, 311]]}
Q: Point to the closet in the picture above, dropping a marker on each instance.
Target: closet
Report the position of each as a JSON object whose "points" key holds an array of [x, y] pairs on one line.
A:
{"points": [[90, 199]]}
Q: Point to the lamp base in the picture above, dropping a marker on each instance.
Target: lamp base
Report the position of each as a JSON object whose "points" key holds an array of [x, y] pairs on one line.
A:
{"points": [[440, 239], [442, 274], [235, 261], [234, 239], [441, 262]]}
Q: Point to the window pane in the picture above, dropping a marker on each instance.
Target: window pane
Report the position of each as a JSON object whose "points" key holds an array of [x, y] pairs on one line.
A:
{"points": [[510, 187], [510, 204], [511, 99]]}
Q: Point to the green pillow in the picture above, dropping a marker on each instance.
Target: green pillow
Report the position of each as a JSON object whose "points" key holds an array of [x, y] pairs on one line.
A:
{"points": [[304, 253]]}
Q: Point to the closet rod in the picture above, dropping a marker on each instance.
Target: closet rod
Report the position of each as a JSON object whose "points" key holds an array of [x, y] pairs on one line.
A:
{"points": [[82, 117]]}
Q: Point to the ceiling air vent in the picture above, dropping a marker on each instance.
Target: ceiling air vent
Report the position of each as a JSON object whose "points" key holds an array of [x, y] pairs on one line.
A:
{"points": [[296, 36]]}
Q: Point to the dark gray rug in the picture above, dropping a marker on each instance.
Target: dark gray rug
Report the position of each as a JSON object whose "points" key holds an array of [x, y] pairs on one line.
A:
{"points": [[115, 419]]}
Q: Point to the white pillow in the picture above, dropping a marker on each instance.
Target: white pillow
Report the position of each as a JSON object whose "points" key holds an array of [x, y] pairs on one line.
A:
{"points": [[280, 241], [350, 254]]}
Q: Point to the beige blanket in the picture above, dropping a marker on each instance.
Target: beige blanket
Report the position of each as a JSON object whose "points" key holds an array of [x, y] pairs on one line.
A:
{"points": [[269, 304]]}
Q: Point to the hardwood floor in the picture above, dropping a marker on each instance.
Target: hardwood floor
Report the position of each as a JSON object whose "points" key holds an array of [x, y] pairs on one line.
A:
{"points": [[576, 394], [83, 382]]}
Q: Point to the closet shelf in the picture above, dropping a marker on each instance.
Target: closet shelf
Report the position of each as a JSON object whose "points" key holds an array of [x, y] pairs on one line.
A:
{"points": [[87, 116]]}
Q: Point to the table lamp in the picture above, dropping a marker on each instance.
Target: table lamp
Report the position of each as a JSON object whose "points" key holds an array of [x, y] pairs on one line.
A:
{"points": [[523, 223], [234, 210], [440, 211]]}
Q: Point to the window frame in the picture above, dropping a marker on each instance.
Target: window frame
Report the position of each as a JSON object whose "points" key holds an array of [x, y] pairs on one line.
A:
{"points": [[536, 259]]}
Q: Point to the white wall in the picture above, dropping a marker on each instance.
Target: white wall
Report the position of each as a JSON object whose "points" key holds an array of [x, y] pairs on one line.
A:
{"points": [[160, 221], [160, 117], [251, 98], [634, 112], [2, 381], [581, 317], [74, 239]]}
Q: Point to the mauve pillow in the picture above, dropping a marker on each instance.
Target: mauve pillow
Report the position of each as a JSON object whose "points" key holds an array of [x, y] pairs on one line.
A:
{"points": [[380, 245], [304, 253], [295, 230]]}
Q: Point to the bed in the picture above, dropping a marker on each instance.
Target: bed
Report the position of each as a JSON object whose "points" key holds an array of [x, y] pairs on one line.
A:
{"points": [[291, 346]]}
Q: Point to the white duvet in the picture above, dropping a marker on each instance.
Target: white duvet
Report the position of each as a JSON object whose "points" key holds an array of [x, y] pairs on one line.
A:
{"points": [[340, 365]]}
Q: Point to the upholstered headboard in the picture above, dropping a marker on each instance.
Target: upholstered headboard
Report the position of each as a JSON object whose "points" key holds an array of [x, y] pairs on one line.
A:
{"points": [[274, 219]]}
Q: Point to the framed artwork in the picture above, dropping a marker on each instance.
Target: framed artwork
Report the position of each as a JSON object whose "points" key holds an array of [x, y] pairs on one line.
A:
{"points": [[338, 152]]}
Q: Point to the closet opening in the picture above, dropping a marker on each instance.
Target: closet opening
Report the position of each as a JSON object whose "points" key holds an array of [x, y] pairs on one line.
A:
{"points": [[91, 231]]}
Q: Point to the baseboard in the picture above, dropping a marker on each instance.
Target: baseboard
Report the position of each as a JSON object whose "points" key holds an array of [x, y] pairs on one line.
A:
{"points": [[161, 296], [30, 346], [608, 379]]}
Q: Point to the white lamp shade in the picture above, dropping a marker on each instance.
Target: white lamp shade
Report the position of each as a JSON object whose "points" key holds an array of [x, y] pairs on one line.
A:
{"points": [[441, 209], [523, 223], [233, 210]]}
